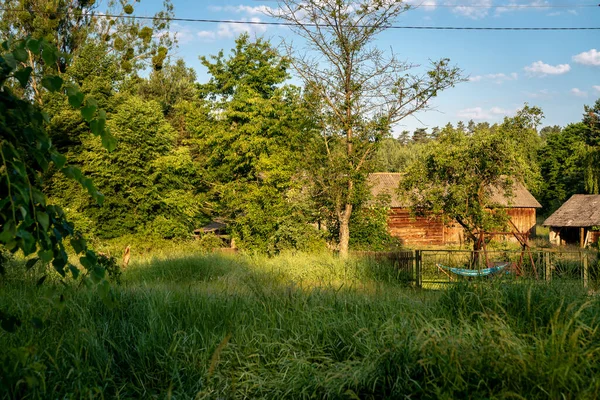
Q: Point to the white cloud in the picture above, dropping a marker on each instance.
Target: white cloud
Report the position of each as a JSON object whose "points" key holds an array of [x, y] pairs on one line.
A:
{"points": [[428, 5], [241, 9], [540, 68], [474, 9], [478, 113], [591, 57], [596, 88], [540, 94], [228, 30], [497, 78], [579, 93], [574, 12], [524, 5]]}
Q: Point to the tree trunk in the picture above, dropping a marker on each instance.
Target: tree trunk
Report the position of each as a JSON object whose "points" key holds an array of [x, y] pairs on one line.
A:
{"points": [[344, 220]]}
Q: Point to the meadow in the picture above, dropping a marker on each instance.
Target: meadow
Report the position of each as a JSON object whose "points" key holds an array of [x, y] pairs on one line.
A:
{"points": [[215, 326]]}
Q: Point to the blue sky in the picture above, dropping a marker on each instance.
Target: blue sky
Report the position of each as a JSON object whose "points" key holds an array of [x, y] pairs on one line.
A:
{"points": [[558, 71]]}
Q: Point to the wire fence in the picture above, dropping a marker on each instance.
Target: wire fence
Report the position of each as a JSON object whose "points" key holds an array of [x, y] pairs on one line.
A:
{"points": [[436, 269]]}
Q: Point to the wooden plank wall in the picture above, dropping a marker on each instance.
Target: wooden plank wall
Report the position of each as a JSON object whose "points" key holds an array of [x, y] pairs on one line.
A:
{"points": [[415, 231]]}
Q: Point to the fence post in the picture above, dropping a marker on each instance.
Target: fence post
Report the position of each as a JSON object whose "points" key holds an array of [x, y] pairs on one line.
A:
{"points": [[585, 270], [547, 266], [418, 268]]}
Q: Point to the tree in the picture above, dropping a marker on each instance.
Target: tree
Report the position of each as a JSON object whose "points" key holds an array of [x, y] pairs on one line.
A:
{"points": [[562, 165], [148, 182], [28, 221], [591, 119], [71, 24], [360, 92], [250, 133], [170, 85], [455, 177]]}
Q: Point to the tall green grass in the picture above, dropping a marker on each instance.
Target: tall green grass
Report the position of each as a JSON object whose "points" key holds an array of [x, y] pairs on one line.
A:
{"points": [[296, 326]]}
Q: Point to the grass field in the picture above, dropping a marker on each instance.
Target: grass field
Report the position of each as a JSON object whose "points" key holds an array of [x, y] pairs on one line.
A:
{"points": [[295, 326]]}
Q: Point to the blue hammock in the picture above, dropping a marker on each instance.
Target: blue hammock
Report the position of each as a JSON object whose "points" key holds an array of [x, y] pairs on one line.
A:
{"points": [[475, 272]]}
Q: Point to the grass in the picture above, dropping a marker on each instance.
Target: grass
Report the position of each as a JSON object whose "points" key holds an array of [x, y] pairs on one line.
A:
{"points": [[295, 326]]}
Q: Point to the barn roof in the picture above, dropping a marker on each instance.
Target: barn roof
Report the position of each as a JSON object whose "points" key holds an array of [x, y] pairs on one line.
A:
{"points": [[581, 210], [386, 183]]}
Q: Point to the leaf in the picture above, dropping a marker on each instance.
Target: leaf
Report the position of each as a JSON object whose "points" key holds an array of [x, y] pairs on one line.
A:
{"points": [[58, 159], [23, 75], [52, 82], [34, 46], [43, 219], [20, 54], [88, 111], [27, 242], [97, 126], [9, 59], [41, 281], [30, 263], [76, 100], [46, 255], [74, 271], [49, 54], [109, 142], [78, 244]]}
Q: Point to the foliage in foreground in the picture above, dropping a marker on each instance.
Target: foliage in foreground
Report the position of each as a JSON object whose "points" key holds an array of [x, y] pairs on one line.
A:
{"points": [[291, 327]]}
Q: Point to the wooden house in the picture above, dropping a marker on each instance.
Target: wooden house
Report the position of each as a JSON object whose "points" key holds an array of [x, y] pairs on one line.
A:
{"points": [[430, 230], [576, 222]]}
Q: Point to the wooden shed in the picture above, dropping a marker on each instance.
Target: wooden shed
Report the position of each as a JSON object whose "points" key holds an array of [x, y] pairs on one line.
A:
{"points": [[430, 230], [576, 222]]}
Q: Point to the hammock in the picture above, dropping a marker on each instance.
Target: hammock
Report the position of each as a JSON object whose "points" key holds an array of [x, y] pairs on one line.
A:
{"points": [[474, 272]]}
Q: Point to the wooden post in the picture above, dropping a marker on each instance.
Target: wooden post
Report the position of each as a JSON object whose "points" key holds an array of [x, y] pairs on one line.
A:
{"points": [[418, 268], [582, 237], [547, 267], [585, 270]]}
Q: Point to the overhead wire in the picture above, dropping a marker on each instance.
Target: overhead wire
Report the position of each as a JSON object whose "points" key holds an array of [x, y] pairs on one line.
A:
{"points": [[279, 23]]}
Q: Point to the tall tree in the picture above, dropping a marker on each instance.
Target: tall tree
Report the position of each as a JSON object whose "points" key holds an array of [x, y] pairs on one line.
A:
{"points": [[562, 165], [591, 119], [71, 24], [361, 90], [456, 175], [250, 132]]}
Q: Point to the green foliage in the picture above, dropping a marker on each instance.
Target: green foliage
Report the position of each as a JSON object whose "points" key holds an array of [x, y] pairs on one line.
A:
{"points": [[29, 222], [307, 326], [562, 166], [591, 119], [456, 175], [248, 135], [370, 231], [148, 183]]}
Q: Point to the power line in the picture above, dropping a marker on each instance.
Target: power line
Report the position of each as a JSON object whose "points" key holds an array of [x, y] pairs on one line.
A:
{"points": [[268, 23], [515, 6]]}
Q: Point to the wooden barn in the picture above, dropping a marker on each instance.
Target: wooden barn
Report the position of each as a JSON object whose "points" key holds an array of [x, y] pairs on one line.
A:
{"points": [[576, 222], [419, 231]]}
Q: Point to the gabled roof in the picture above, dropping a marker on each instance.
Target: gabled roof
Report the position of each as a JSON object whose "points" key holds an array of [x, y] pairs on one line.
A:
{"points": [[386, 183], [581, 210]]}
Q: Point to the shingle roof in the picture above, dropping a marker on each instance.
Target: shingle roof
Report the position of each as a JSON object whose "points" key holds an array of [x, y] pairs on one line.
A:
{"points": [[581, 210], [386, 183]]}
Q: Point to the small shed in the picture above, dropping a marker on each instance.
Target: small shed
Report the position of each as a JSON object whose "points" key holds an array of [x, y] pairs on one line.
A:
{"points": [[576, 222], [430, 230]]}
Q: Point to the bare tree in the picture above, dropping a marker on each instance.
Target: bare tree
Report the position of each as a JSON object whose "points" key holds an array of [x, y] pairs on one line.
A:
{"points": [[362, 91]]}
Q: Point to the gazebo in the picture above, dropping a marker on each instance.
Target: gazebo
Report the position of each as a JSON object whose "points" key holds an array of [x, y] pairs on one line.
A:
{"points": [[576, 222]]}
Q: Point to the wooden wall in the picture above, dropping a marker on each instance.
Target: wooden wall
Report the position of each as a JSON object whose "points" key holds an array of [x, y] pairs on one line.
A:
{"points": [[418, 231], [415, 231]]}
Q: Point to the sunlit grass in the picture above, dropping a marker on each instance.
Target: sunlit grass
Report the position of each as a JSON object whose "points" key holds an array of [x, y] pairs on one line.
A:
{"points": [[296, 326]]}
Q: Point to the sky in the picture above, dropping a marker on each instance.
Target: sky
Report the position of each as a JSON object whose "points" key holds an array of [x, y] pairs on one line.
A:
{"points": [[559, 71]]}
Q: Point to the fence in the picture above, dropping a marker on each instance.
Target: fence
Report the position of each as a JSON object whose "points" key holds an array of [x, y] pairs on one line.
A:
{"points": [[435, 269]]}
